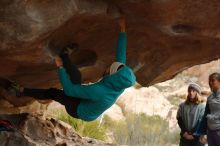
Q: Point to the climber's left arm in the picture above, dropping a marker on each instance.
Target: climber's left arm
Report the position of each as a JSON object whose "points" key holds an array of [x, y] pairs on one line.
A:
{"points": [[122, 41]]}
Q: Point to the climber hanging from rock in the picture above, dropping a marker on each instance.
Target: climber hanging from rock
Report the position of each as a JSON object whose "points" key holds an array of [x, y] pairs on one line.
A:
{"points": [[86, 102]]}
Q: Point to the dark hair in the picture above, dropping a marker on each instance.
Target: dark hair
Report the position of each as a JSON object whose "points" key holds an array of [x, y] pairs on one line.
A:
{"points": [[215, 76], [120, 67]]}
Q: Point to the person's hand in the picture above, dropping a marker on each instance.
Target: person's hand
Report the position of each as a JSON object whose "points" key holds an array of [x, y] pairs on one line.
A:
{"points": [[122, 23], [58, 61], [203, 139], [188, 136], [185, 134]]}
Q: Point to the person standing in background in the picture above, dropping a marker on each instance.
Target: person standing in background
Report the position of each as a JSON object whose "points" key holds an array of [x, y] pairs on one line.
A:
{"points": [[189, 116]]}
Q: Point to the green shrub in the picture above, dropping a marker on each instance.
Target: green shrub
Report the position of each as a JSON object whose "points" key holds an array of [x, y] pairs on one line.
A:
{"points": [[139, 129], [87, 129], [136, 130]]}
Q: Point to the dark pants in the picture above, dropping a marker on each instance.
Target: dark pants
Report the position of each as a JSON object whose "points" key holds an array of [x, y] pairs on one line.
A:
{"points": [[70, 103], [213, 137], [195, 142]]}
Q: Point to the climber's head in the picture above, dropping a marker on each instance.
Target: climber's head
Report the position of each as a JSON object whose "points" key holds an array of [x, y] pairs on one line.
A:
{"points": [[113, 68]]}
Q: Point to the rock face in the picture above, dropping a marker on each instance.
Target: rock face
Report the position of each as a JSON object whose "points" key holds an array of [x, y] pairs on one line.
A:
{"points": [[34, 130], [145, 100], [164, 37], [203, 71]]}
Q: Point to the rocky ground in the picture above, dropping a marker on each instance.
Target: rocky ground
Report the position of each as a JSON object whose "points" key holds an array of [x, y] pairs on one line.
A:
{"points": [[36, 130]]}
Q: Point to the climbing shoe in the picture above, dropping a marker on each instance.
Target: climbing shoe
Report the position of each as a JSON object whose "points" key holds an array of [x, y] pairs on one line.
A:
{"points": [[69, 48]]}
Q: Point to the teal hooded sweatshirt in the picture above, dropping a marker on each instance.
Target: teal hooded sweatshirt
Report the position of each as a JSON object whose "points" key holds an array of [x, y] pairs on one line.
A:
{"points": [[103, 94]]}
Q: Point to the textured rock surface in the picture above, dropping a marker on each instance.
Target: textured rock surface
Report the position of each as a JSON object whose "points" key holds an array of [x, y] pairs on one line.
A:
{"points": [[164, 37], [145, 100], [34, 130]]}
